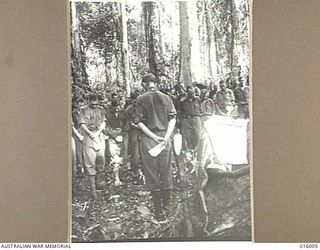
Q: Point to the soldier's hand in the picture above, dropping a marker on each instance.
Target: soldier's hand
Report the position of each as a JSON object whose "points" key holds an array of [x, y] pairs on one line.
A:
{"points": [[133, 125], [158, 139], [96, 135], [166, 140], [93, 136]]}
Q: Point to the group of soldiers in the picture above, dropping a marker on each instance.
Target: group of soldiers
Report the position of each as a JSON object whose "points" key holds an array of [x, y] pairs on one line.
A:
{"points": [[119, 132]]}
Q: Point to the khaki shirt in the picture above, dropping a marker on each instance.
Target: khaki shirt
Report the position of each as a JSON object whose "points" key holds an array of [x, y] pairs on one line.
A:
{"points": [[189, 107], [224, 98], [207, 106], [154, 109], [92, 117]]}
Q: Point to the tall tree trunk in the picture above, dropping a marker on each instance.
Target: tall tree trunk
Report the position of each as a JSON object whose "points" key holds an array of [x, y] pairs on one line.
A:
{"points": [[125, 48], [203, 45], [148, 10], [160, 20], [79, 73], [218, 59], [197, 72], [232, 35], [241, 29], [185, 45], [212, 58]]}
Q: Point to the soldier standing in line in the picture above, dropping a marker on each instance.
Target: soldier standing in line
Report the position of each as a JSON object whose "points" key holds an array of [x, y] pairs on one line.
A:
{"points": [[189, 111], [114, 129], [225, 101], [92, 121], [241, 101], [156, 117], [77, 135], [207, 106], [134, 138]]}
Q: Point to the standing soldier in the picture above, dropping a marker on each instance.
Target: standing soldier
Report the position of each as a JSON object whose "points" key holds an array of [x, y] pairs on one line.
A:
{"points": [[207, 107], [92, 121], [156, 117], [134, 137], [77, 136], [114, 129], [241, 101], [224, 99], [189, 111]]}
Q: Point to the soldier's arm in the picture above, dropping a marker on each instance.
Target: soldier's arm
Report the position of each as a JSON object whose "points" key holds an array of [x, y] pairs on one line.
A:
{"points": [[170, 129], [172, 121], [82, 123], [149, 133], [101, 128], [76, 132], [140, 119], [233, 99], [213, 107], [86, 130], [218, 110]]}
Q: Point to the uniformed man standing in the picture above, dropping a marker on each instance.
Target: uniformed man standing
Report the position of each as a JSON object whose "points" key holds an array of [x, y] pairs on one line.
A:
{"points": [[241, 101], [92, 121], [225, 101], [207, 107], [133, 136], [114, 129], [77, 136], [189, 112], [156, 117]]}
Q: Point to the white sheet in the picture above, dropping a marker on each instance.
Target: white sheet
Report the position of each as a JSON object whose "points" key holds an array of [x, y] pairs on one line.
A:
{"points": [[229, 138]]}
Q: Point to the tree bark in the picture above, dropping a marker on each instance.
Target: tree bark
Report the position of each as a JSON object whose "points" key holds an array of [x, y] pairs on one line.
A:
{"points": [[212, 57], [125, 49], [148, 10], [79, 73], [197, 70], [232, 36], [185, 45]]}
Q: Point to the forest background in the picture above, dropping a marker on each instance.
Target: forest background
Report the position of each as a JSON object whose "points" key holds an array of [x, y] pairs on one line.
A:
{"points": [[115, 43]]}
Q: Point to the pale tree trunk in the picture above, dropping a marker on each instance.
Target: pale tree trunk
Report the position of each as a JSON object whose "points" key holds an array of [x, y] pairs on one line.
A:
{"points": [[75, 46], [212, 56], [185, 46], [232, 36], [125, 48], [160, 20], [217, 49], [203, 45], [75, 27], [242, 34], [197, 72]]}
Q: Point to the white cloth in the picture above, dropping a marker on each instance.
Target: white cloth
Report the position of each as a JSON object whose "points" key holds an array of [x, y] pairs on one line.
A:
{"points": [[228, 137]]}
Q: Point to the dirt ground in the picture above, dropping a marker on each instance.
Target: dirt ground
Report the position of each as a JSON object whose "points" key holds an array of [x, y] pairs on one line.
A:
{"points": [[125, 213]]}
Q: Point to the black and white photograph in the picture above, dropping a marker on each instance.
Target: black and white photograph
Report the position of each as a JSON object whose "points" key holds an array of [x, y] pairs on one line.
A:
{"points": [[160, 120]]}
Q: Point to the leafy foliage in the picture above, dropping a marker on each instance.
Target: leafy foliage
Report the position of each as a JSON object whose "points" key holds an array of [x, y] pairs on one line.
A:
{"points": [[100, 33]]}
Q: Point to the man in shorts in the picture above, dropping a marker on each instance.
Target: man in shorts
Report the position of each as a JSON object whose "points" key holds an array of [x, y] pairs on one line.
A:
{"points": [[92, 121]]}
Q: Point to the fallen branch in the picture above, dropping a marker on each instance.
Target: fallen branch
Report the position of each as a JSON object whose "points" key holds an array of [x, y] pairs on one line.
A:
{"points": [[232, 175], [236, 224], [91, 228]]}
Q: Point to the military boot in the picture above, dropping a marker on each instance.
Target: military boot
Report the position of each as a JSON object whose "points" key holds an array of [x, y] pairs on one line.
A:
{"points": [[92, 185], [100, 181], [156, 197], [166, 200]]}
